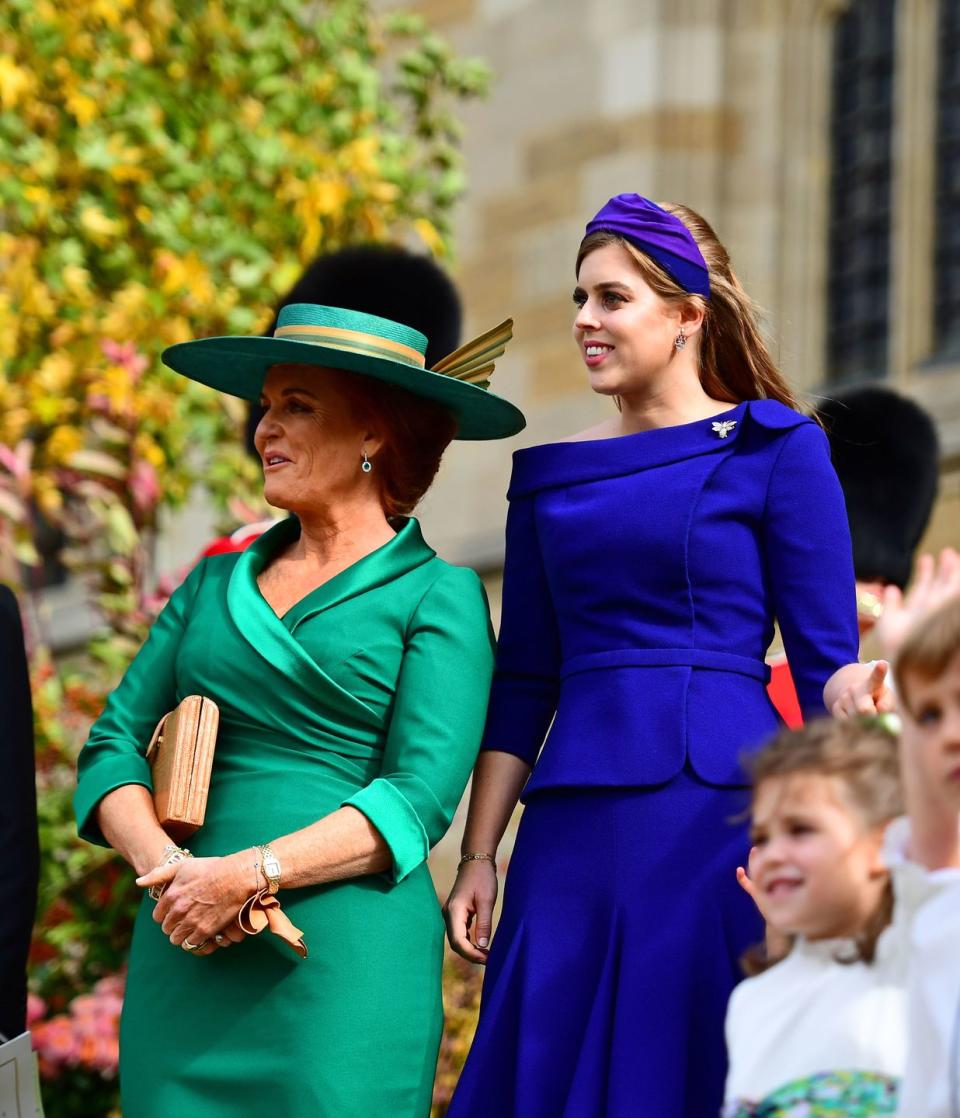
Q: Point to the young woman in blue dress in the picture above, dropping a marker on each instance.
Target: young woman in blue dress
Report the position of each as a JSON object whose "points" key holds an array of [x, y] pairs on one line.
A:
{"points": [[647, 560]]}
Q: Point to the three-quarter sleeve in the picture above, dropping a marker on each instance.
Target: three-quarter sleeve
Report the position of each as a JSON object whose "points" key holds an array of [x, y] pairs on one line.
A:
{"points": [[437, 720], [526, 681], [115, 751], [810, 564]]}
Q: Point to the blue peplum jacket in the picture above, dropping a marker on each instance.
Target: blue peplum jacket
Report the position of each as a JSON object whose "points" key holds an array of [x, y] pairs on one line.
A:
{"points": [[643, 577]]}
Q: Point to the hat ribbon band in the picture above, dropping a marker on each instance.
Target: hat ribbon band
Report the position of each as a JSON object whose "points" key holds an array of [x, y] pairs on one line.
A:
{"points": [[352, 341]]}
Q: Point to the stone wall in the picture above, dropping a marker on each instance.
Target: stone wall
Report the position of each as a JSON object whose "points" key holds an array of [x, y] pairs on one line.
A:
{"points": [[722, 105]]}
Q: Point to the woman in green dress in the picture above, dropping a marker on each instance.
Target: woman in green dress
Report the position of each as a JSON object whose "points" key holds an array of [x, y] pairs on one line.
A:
{"points": [[351, 667]]}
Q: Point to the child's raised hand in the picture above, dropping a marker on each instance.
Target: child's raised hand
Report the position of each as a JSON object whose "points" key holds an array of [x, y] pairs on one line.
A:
{"points": [[859, 689], [776, 943], [934, 583], [743, 880]]}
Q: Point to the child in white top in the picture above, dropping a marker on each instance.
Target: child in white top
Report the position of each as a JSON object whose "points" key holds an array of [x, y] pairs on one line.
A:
{"points": [[822, 1028], [928, 681], [863, 983]]}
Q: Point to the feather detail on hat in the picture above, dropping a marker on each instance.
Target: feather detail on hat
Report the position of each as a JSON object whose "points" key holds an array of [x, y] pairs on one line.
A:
{"points": [[474, 361]]}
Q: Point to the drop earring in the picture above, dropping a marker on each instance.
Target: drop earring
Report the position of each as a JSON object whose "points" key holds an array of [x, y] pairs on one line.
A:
{"points": [[366, 465], [680, 340]]}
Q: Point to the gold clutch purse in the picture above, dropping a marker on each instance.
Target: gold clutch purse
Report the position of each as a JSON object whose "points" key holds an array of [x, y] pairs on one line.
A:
{"points": [[181, 758]]}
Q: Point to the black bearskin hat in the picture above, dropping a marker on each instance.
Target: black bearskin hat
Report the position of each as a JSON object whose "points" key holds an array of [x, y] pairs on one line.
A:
{"points": [[385, 280], [884, 449]]}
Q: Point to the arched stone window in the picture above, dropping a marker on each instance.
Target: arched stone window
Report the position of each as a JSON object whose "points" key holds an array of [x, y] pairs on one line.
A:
{"points": [[946, 318], [859, 224]]}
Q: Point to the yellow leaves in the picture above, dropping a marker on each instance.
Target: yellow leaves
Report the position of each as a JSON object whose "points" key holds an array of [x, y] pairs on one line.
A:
{"points": [[77, 282], [82, 107], [40, 199], [63, 444], [326, 197], [109, 11], [128, 172], [362, 156], [47, 495], [141, 49], [54, 375], [16, 83], [176, 329], [127, 315], [14, 424], [385, 192], [285, 274], [139, 45], [129, 157], [112, 386], [50, 410], [62, 335], [185, 274], [321, 198], [38, 302], [145, 447], [427, 232], [251, 112], [14, 415], [100, 228], [324, 84]]}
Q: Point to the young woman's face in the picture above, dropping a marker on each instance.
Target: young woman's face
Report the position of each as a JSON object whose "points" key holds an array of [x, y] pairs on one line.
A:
{"points": [[815, 863], [624, 330], [309, 439], [931, 733]]}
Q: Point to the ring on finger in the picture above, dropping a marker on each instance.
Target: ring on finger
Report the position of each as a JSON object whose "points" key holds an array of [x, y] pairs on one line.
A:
{"points": [[219, 940], [188, 946]]}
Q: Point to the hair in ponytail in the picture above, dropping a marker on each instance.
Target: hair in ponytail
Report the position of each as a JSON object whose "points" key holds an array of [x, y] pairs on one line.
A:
{"points": [[735, 363]]}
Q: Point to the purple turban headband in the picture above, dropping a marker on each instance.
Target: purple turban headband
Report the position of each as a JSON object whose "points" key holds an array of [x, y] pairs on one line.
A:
{"points": [[660, 235]]}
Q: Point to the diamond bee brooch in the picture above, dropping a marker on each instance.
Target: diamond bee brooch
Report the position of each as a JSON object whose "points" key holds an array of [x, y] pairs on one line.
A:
{"points": [[724, 427]]}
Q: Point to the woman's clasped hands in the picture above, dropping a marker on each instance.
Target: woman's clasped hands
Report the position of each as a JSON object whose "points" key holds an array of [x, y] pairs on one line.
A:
{"points": [[201, 899]]}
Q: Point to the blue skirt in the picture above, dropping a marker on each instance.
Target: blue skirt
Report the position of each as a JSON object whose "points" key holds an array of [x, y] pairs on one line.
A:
{"points": [[617, 949]]}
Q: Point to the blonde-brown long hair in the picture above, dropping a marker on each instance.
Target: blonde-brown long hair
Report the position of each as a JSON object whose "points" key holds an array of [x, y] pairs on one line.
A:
{"points": [[735, 363]]}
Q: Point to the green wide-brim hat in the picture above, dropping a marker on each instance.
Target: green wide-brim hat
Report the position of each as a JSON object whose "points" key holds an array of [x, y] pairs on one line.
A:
{"points": [[330, 337]]}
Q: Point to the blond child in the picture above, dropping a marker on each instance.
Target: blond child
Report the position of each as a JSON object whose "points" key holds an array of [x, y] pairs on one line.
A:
{"points": [[821, 1027], [927, 674]]}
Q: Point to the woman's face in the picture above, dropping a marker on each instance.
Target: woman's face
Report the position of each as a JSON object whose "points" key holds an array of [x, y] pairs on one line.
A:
{"points": [[309, 439], [624, 330], [815, 863]]}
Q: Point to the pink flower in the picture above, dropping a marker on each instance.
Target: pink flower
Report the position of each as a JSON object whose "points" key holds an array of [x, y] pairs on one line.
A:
{"points": [[16, 460], [36, 1008], [56, 1041], [126, 355], [84, 1007], [86, 1037], [144, 487], [112, 984], [106, 1054]]}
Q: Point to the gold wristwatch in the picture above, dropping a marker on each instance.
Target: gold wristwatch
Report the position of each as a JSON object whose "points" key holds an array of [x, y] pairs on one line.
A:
{"points": [[270, 867]]}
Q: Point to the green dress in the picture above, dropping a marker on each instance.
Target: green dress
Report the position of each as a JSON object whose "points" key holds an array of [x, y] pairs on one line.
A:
{"points": [[372, 692]]}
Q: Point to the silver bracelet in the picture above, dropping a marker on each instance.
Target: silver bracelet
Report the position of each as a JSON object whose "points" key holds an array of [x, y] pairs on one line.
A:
{"points": [[477, 857], [173, 853]]}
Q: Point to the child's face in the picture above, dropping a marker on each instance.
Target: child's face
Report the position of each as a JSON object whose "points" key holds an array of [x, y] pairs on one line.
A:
{"points": [[816, 864], [931, 730]]}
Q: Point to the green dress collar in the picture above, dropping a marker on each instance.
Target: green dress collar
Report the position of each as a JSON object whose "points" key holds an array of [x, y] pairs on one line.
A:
{"points": [[273, 637]]}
